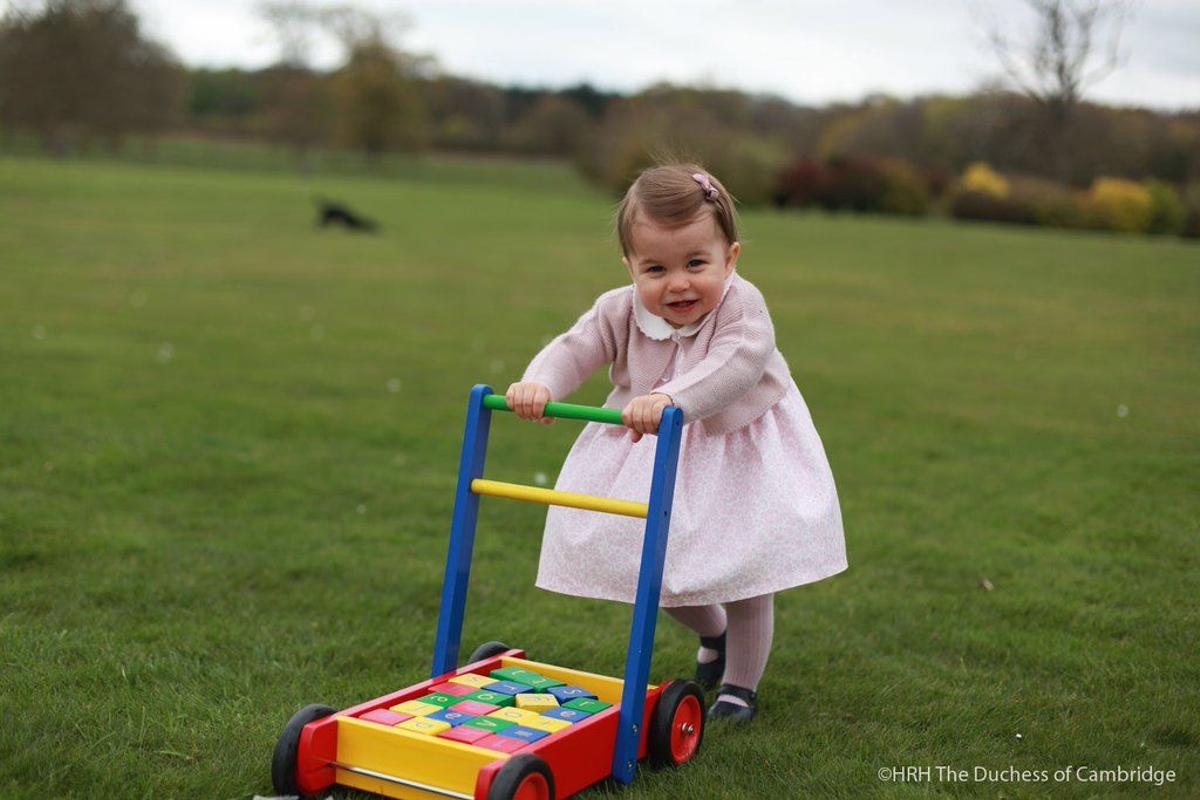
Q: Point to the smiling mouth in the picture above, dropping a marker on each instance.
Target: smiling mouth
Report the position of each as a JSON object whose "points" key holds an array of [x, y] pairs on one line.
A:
{"points": [[682, 305]]}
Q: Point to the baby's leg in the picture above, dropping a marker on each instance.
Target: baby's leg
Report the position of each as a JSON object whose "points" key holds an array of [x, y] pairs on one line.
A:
{"points": [[751, 628], [706, 621]]}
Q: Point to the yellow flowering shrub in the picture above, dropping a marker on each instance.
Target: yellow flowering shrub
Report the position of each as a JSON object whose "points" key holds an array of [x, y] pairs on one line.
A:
{"points": [[981, 178], [1122, 205]]}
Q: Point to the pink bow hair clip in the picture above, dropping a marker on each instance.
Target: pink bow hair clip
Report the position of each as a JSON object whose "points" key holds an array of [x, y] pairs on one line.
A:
{"points": [[710, 191]]}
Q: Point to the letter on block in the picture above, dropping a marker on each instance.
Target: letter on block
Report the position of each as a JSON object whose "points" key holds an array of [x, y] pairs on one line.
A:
{"points": [[516, 715], [471, 679], [429, 727], [546, 724], [536, 702], [415, 708]]}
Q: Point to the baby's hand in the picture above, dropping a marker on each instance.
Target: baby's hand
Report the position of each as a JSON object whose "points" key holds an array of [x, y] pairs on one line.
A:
{"points": [[528, 401], [644, 413]]}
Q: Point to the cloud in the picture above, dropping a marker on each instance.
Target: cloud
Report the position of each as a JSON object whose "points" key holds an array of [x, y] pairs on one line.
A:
{"points": [[806, 50]]}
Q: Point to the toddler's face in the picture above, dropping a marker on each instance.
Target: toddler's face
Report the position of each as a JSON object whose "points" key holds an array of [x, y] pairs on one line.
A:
{"points": [[679, 273]]}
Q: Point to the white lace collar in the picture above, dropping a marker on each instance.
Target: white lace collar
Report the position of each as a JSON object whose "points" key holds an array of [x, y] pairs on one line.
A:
{"points": [[658, 328]]}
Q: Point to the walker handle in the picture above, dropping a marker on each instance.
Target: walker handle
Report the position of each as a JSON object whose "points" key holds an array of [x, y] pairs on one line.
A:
{"points": [[612, 416]]}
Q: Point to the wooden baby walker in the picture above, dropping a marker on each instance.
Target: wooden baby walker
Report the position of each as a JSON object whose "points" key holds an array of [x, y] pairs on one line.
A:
{"points": [[504, 727]]}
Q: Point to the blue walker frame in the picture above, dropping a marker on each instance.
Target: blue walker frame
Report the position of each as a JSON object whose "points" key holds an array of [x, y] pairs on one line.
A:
{"points": [[649, 588]]}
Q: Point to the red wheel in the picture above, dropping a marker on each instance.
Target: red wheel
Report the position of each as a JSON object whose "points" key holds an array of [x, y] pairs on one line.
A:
{"points": [[533, 787], [523, 777], [677, 728], [685, 729]]}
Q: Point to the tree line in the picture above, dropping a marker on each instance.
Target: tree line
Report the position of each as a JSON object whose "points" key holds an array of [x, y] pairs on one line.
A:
{"points": [[81, 73]]}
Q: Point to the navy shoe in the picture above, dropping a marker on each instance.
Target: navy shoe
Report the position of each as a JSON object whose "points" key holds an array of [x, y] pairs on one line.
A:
{"points": [[724, 710], [709, 675]]}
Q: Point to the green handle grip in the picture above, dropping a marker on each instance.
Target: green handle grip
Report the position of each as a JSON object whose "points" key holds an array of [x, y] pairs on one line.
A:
{"points": [[612, 416]]}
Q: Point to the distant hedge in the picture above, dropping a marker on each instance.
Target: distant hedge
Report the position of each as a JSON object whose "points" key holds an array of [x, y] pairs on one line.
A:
{"points": [[856, 184], [1111, 204]]}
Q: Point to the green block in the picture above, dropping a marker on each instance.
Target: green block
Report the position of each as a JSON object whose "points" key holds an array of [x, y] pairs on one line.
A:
{"points": [[515, 674], [587, 704], [484, 696], [526, 677], [489, 724], [443, 700]]}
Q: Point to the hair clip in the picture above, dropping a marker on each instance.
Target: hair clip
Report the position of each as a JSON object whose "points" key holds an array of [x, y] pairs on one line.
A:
{"points": [[710, 191]]}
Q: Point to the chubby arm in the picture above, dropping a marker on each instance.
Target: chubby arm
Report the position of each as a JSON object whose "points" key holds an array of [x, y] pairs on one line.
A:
{"points": [[566, 362], [738, 355]]}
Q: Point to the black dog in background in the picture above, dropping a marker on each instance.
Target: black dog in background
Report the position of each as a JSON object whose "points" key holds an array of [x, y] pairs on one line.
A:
{"points": [[331, 213]]}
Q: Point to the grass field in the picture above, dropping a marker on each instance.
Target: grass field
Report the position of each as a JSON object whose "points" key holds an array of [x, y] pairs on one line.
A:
{"points": [[228, 447]]}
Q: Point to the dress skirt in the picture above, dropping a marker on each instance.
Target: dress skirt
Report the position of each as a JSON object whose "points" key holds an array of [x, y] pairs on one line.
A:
{"points": [[755, 512]]}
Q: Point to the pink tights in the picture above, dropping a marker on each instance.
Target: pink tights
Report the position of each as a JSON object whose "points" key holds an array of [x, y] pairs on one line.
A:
{"points": [[749, 625]]}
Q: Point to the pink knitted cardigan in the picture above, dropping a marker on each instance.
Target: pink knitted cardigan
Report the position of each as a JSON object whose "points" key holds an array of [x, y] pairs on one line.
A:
{"points": [[728, 372]]}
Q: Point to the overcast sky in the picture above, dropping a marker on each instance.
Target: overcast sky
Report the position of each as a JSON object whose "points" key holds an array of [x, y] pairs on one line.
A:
{"points": [[810, 51]]}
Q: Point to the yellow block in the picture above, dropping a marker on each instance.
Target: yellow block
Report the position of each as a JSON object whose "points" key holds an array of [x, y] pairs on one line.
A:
{"points": [[430, 760], [550, 497], [471, 679], [517, 715], [536, 702], [548, 724], [415, 708], [432, 727]]}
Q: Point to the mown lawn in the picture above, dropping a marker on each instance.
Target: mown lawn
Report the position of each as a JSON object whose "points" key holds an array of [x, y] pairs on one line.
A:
{"points": [[228, 446]]}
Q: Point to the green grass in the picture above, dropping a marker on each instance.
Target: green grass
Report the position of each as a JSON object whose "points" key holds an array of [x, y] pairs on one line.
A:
{"points": [[214, 508]]}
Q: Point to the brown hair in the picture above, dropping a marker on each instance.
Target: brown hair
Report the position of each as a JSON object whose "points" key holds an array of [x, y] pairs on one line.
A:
{"points": [[670, 196]]}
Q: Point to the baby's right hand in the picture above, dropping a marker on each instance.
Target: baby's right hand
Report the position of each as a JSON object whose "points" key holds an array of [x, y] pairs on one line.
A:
{"points": [[528, 401]]}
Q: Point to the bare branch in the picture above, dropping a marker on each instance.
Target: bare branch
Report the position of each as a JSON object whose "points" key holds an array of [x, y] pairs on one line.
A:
{"points": [[294, 23], [1055, 63], [356, 27]]}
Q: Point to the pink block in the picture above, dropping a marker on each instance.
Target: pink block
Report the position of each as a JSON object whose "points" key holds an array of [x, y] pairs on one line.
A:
{"points": [[456, 689], [384, 717], [474, 708], [464, 734], [505, 744]]}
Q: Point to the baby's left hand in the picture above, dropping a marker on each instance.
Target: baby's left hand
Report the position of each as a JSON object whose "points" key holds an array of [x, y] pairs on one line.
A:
{"points": [[643, 414]]}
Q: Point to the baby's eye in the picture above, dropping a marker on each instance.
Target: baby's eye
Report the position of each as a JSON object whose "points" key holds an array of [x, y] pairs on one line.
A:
{"points": [[655, 268], [696, 262]]}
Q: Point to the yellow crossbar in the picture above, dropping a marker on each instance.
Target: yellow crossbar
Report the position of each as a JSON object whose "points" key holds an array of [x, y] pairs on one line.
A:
{"points": [[550, 497]]}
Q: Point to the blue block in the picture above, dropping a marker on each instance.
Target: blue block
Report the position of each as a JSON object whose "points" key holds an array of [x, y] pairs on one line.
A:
{"points": [[571, 715], [455, 718], [523, 733], [509, 688], [567, 693]]}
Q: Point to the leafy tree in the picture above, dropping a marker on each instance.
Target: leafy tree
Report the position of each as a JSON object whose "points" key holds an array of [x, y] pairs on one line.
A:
{"points": [[379, 107], [79, 70], [297, 108], [554, 126], [227, 94], [370, 103], [708, 126], [465, 114]]}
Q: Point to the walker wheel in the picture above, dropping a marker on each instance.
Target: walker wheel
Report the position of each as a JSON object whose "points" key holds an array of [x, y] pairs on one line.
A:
{"points": [[677, 728], [488, 650], [287, 749], [523, 777]]}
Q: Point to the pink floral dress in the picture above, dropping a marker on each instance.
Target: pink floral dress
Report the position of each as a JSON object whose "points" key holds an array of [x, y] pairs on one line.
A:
{"points": [[755, 509]]}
